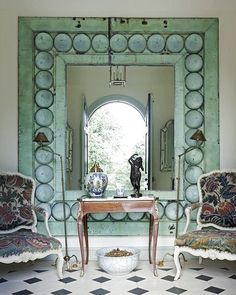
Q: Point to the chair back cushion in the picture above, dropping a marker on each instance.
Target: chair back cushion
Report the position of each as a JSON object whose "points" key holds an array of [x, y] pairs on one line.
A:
{"points": [[16, 197], [218, 196]]}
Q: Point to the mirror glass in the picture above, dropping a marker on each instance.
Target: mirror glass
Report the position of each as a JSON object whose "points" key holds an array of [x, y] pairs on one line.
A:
{"points": [[91, 84], [167, 146], [116, 131]]}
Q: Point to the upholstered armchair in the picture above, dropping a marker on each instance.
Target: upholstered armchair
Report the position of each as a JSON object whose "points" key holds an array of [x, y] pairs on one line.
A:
{"points": [[215, 236], [19, 240]]}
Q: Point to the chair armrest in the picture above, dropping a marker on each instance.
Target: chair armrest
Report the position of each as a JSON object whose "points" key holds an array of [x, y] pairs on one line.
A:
{"points": [[188, 211], [43, 214]]}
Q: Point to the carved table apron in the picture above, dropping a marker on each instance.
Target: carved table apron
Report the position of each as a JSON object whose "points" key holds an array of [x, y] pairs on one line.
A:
{"points": [[107, 205]]}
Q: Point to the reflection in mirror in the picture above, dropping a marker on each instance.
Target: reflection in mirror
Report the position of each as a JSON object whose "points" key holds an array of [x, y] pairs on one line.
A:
{"points": [[167, 148], [113, 138], [91, 83], [69, 150]]}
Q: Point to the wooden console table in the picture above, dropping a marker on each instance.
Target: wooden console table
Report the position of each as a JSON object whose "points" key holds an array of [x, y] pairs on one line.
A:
{"points": [[107, 205]]}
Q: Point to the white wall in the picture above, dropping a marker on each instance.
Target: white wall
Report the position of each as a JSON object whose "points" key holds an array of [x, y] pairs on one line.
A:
{"points": [[11, 9]]}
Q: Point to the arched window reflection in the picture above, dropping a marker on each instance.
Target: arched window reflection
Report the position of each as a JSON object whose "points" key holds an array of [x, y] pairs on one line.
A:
{"points": [[116, 131]]}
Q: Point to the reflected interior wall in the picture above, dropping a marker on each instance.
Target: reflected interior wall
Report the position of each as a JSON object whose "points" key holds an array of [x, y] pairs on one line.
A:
{"points": [[93, 83]]}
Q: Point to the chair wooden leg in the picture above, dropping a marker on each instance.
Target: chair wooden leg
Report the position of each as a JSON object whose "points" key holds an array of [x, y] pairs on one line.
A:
{"points": [[177, 263], [60, 262]]}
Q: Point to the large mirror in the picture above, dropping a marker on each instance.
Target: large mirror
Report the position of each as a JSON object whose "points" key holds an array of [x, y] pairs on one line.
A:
{"points": [[65, 60], [143, 83]]}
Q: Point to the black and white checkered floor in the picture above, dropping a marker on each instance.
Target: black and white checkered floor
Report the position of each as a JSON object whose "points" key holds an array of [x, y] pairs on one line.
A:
{"points": [[211, 277]]}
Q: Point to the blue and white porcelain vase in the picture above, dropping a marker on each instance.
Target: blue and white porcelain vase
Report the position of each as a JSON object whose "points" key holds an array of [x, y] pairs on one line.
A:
{"points": [[96, 182]]}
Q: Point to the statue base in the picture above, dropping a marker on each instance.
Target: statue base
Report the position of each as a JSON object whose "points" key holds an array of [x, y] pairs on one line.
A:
{"points": [[136, 195]]}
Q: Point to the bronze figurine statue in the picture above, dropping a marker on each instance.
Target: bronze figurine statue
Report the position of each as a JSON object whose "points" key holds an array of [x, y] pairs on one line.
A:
{"points": [[135, 174]]}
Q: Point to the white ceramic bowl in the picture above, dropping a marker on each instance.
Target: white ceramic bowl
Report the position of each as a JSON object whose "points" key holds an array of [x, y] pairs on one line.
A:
{"points": [[118, 266]]}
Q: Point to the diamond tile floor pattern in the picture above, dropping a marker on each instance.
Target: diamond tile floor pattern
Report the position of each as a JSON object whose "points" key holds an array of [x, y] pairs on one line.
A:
{"points": [[211, 277]]}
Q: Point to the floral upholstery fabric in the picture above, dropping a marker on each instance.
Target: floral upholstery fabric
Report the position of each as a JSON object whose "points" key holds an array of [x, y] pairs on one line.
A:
{"points": [[24, 241], [218, 192], [15, 202], [221, 240]]}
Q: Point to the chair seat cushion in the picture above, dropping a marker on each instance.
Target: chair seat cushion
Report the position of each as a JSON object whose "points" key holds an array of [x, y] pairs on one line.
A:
{"points": [[23, 241], [221, 240]]}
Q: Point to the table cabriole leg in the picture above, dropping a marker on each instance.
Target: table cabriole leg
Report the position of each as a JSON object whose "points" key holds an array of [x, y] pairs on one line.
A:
{"points": [[155, 235], [80, 234], [150, 238], [86, 239]]}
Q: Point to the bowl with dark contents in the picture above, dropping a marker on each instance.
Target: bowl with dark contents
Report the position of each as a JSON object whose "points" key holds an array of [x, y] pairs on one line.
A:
{"points": [[118, 261]]}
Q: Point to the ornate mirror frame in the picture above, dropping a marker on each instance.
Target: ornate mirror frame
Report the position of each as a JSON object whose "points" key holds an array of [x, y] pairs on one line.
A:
{"points": [[48, 44]]}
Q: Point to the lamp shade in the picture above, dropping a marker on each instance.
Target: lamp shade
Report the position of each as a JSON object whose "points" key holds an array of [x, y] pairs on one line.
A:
{"points": [[40, 138], [198, 136]]}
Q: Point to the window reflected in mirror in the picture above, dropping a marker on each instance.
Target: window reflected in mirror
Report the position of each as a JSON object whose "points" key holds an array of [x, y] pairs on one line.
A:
{"points": [[149, 91], [115, 132], [167, 150], [167, 146]]}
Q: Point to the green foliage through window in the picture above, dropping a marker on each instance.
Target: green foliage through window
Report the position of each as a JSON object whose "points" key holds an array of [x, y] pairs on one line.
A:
{"points": [[116, 131]]}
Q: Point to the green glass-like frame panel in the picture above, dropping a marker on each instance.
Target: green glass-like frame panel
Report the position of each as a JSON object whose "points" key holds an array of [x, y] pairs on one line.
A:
{"points": [[28, 29]]}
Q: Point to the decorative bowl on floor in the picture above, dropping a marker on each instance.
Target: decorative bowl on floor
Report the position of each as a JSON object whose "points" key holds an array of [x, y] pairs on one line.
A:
{"points": [[118, 266]]}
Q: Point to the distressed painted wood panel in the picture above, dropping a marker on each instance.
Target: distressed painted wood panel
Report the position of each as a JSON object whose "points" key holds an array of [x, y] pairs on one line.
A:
{"points": [[185, 43]]}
